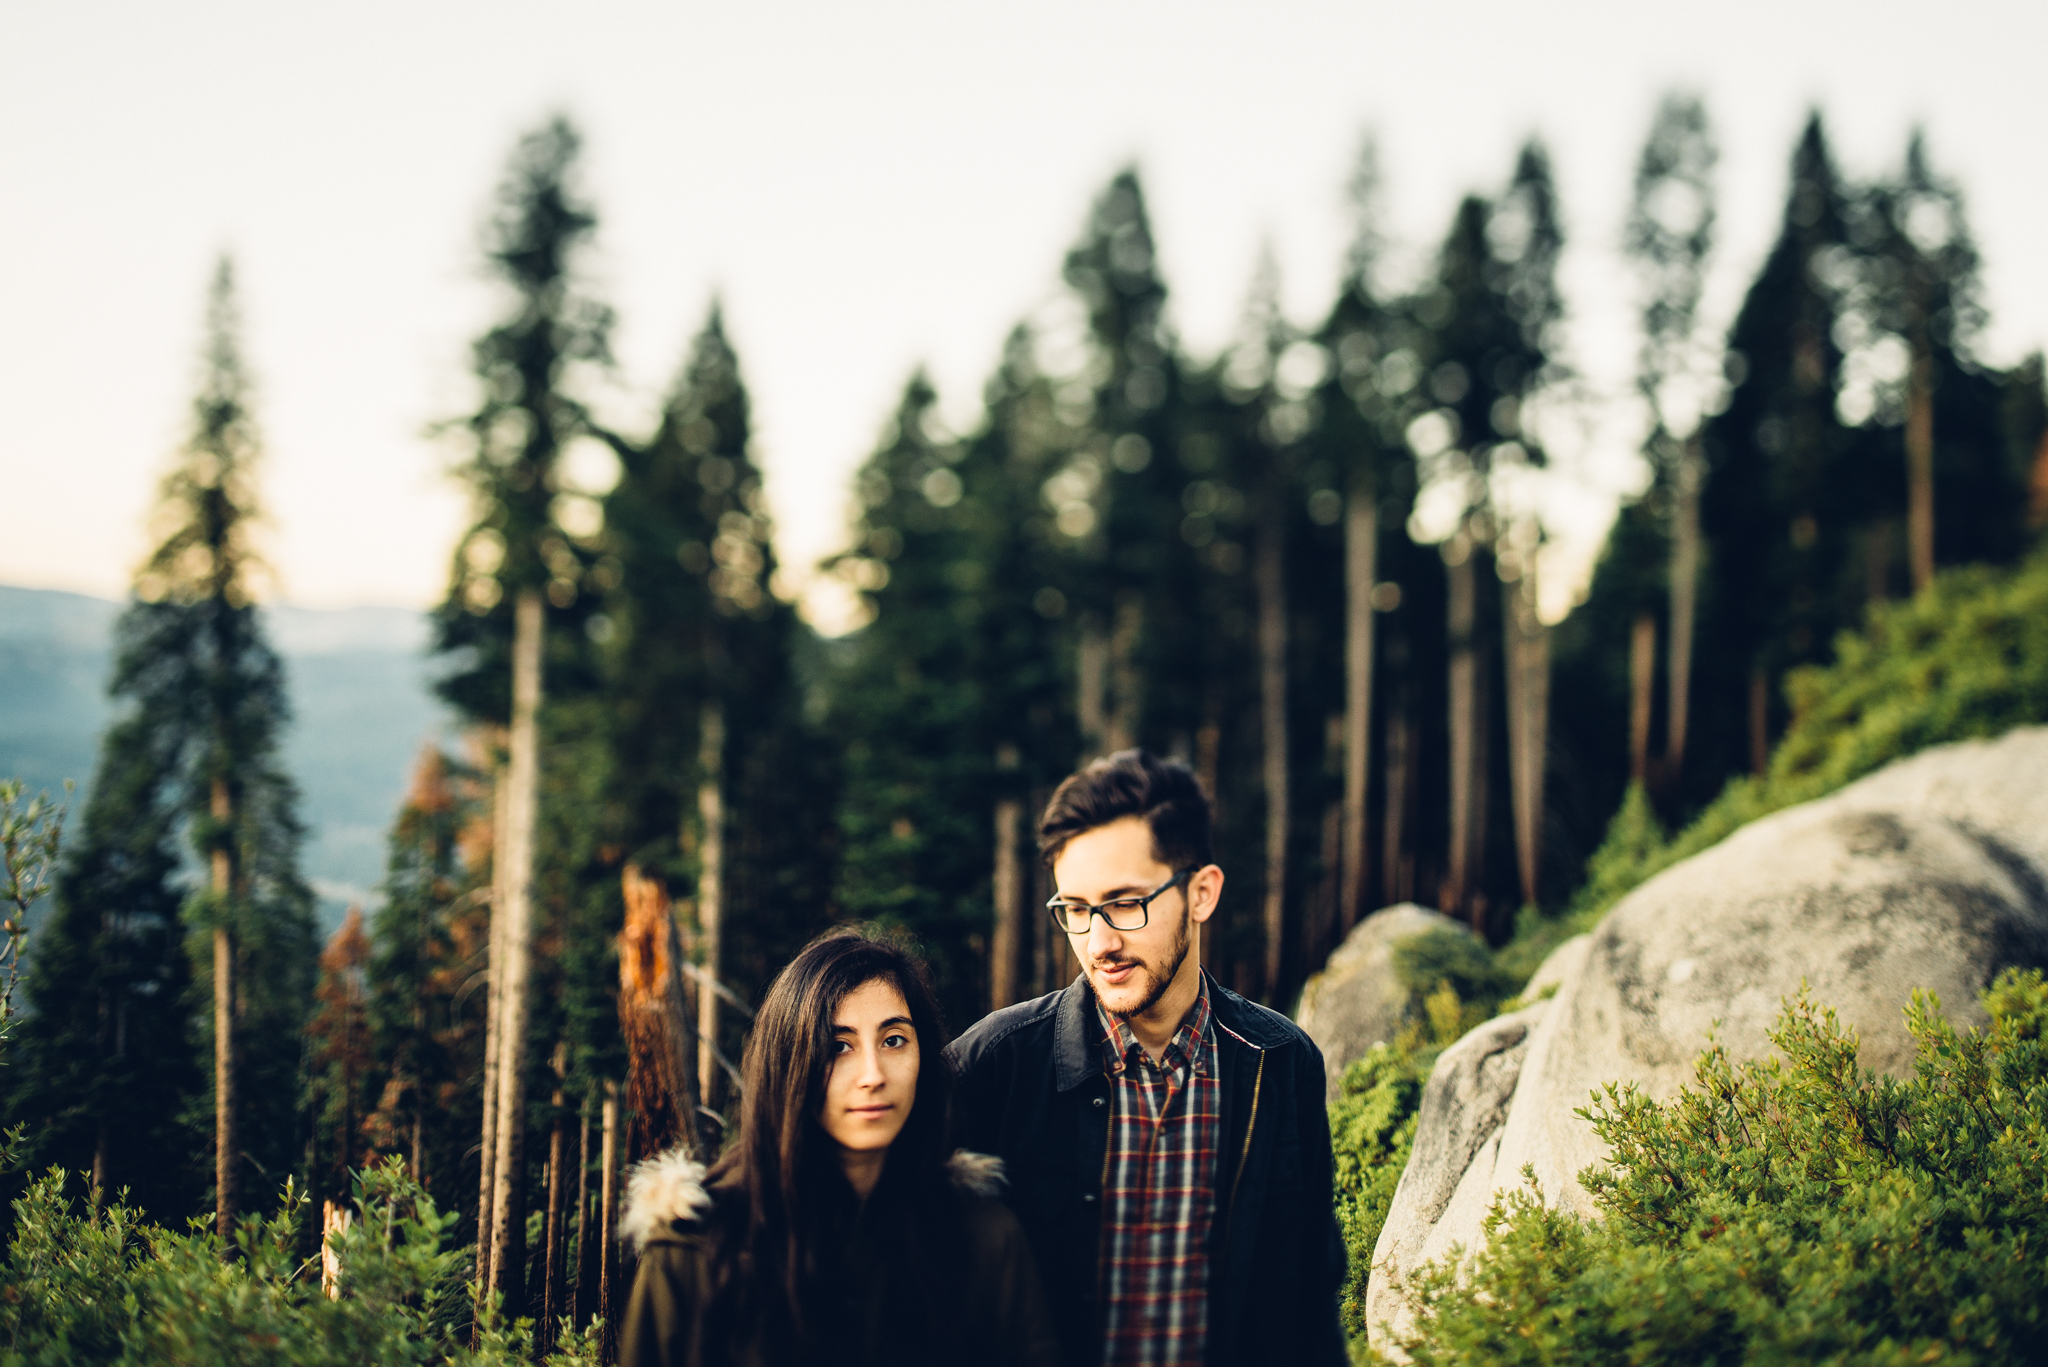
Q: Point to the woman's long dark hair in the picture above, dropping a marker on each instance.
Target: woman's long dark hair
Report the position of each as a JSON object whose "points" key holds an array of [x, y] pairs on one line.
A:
{"points": [[782, 1177]]}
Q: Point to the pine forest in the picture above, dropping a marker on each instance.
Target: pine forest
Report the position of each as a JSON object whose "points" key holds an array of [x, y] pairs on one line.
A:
{"points": [[1308, 566]]}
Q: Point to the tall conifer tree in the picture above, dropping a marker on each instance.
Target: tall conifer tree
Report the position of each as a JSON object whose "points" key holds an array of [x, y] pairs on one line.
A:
{"points": [[517, 572], [196, 752]]}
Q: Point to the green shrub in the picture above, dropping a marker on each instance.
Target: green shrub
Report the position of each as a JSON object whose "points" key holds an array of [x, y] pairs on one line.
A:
{"points": [[1372, 1125], [99, 1285], [1966, 659], [1796, 1209]]}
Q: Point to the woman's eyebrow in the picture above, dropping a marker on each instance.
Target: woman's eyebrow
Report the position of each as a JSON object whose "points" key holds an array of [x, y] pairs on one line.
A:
{"points": [[896, 1020]]}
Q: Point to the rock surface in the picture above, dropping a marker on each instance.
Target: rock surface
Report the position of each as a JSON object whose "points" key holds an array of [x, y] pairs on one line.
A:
{"points": [[1356, 1001], [1931, 873]]}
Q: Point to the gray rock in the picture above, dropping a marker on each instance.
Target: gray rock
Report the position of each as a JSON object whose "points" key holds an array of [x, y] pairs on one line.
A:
{"points": [[1356, 1001], [1931, 873]]}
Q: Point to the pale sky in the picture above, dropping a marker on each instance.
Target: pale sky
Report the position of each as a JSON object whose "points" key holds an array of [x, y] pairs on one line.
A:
{"points": [[867, 185]]}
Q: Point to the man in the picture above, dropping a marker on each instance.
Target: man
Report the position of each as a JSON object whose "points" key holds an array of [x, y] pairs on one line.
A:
{"points": [[1166, 1142]]}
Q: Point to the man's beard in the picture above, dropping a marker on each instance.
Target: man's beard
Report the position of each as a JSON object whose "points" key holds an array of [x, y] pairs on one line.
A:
{"points": [[1156, 984]]}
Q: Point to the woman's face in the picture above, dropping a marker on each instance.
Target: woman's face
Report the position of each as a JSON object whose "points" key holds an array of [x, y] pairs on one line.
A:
{"points": [[873, 1081]]}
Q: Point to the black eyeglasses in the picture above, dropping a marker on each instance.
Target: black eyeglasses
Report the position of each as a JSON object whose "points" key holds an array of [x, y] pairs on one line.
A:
{"points": [[1122, 913]]}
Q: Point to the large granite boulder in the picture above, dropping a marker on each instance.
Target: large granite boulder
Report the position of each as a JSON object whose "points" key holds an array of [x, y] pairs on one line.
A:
{"points": [[1357, 1001], [1931, 873]]}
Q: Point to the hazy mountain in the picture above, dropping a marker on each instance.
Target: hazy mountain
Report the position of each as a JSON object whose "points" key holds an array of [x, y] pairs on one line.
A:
{"points": [[361, 707]]}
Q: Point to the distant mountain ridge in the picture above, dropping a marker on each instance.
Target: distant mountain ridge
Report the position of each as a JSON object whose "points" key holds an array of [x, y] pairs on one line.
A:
{"points": [[362, 706]]}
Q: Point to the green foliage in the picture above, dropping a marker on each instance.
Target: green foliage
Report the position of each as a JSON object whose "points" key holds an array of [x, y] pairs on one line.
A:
{"points": [[1794, 1209], [98, 1284], [31, 834], [1372, 1126], [1965, 660]]}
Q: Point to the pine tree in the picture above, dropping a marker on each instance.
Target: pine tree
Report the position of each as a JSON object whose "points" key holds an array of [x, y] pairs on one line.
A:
{"points": [[1776, 513], [422, 1047], [515, 571], [1916, 294], [715, 785], [195, 753], [1017, 654], [913, 810], [1669, 234], [345, 1082], [1489, 316], [104, 1063]]}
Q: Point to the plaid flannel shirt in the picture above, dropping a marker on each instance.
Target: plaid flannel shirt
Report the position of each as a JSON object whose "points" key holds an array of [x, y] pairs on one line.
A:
{"points": [[1159, 1193]]}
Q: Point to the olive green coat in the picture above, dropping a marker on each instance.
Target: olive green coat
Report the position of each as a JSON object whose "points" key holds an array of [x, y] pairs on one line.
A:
{"points": [[667, 1324]]}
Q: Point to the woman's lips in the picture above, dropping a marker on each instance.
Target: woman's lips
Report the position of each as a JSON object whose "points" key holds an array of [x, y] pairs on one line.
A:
{"points": [[870, 1110]]}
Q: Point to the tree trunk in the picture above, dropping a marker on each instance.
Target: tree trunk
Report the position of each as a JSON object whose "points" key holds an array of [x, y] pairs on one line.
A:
{"points": [[1920, 456], [710, 890], [1642, 678], [1271, 590], [1528, 679], [1397, 860], [487, 1176], [554, 1277], [1460, 895], [508, 1204], [1092, 683], [662, 1084], [610, 1294], [584, 1279], [1685, 578], [1006, 949], [227, 1168], [1361, 569]]}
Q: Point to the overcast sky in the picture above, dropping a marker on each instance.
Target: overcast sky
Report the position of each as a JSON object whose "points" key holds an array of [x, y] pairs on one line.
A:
{"points": [[868, 185]]}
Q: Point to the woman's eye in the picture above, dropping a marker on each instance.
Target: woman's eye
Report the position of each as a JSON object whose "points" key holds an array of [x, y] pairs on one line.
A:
{"points": [[896, 1041], [840, 1046]]}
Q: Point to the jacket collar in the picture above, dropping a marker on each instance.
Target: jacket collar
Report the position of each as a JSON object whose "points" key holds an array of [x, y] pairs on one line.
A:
{"points": [[1076, 1057]]}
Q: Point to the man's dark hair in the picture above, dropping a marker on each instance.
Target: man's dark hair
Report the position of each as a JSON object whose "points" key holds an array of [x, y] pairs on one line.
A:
{"points": [[1164, 792]]}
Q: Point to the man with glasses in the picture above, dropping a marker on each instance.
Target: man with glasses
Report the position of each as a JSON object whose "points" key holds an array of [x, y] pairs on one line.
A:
{"points": [[1166, 1144]]}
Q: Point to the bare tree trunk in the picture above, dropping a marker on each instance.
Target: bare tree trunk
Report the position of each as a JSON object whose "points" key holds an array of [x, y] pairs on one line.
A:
{"points": [[662, 1083], [1528, 679], [610, 1294], [1642, 677], [583, 1279], [1006, 951], [710, 890], [1463, 683], [227, 1168], [1397, 861], [554, 1276], [1361, 569], [1685, 578], [1091, 681], [1920, 456], [1271, 590], [494, 972], [508, 1205]]}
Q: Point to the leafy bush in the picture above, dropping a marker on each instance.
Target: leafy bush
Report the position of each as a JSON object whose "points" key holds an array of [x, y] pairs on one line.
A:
{"points": [[99, 1285], [1372, 1126], [1968, 658], [1797, 1209]]}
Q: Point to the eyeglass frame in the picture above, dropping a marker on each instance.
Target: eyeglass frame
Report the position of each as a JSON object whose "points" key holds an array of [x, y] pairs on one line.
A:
{"points": [[1057, 906]]}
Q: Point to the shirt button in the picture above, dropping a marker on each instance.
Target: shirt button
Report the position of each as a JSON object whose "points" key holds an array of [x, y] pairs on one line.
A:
{"points": [[1100, 1101]]}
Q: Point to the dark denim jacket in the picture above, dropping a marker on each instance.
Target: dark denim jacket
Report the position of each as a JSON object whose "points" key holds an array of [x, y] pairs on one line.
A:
{"points": [[1032, 1091]]}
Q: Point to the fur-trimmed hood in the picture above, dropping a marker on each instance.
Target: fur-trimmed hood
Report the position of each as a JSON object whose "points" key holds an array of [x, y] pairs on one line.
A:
{"points": [[670, 1187]]}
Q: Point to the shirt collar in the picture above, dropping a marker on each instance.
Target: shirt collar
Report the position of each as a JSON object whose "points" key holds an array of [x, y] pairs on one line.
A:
{"points": [[1118, 1040]]}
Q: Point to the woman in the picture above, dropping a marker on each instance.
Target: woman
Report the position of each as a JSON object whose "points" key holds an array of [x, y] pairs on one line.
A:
{"points": [[837, 1228]]}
